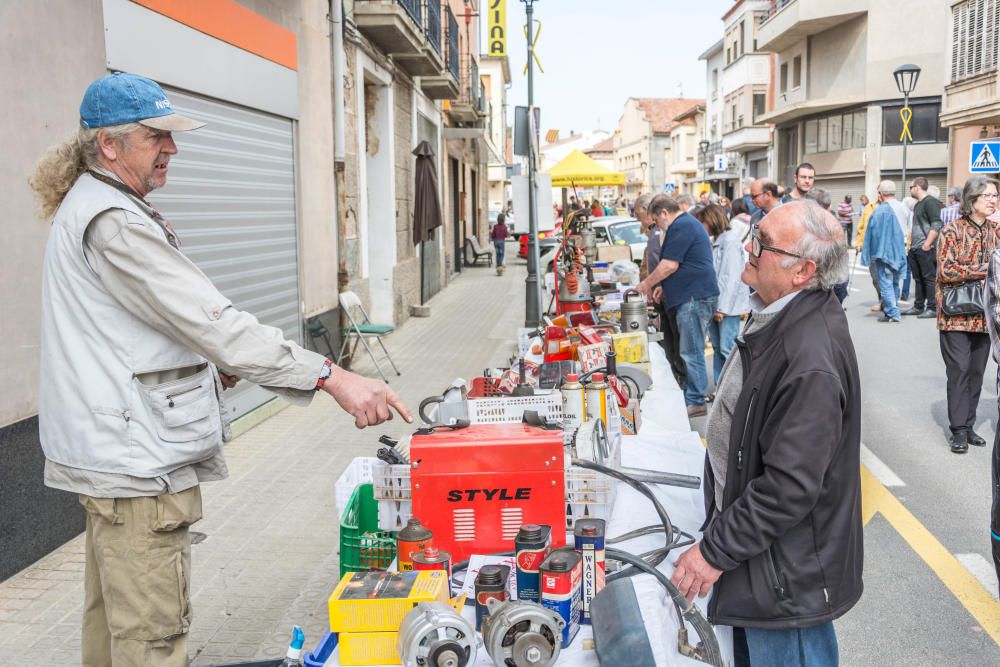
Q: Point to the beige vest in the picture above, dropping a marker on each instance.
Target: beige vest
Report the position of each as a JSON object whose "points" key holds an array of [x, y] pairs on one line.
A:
{"points": [[93, 412]]}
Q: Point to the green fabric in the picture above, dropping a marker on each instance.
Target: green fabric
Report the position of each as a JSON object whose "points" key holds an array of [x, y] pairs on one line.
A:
{"points": [[373, 328]]}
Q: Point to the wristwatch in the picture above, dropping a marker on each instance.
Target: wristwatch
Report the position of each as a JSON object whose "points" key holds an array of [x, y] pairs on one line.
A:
{"points": [[324, 374]]}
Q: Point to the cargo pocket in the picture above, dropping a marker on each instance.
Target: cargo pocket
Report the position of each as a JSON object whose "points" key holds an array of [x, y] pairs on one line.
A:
{"points": [[183, 410], [147, 595], [177, 510]]}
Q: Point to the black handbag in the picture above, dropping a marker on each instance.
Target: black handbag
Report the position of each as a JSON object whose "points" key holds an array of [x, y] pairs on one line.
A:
{"points": [[968, 298]]}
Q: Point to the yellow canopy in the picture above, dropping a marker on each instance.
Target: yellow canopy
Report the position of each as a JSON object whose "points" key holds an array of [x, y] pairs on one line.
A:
{"points": [[578, 169]]}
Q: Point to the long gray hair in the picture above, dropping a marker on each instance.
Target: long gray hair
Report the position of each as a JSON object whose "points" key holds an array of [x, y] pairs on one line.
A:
{"points": [[58, 170], [975, 186]]}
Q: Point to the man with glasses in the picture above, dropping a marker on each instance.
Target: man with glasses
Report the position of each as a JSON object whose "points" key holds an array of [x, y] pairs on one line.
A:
{"points": [[885, 249], [764, 196], [784, 441]]}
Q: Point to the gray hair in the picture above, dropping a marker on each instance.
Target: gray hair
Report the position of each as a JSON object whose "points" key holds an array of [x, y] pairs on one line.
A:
{"points": [[663, 203], [822, 242], [684, 200], [955, 193], [934, 191], [975, 186], [642, 201], [821, 197]]}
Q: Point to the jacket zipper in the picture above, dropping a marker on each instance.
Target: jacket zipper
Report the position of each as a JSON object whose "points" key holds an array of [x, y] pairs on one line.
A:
{"points": [[772, 566], [746, 427], [171, 397]]}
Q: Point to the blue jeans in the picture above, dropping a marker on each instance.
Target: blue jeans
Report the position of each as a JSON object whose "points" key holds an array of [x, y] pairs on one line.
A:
{"points": [[499, 246], [792, 647], [693, 318], [723, 336], [888, 288]]}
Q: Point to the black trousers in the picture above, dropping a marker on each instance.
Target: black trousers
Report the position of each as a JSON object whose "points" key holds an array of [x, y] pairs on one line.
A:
{"points": [[671, 343], [923, 267], [995, 513], [965, 356]]}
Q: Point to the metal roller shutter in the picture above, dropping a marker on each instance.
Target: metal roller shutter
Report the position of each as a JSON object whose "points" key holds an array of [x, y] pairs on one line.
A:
{"points": [[840, 186], [231, 197]]}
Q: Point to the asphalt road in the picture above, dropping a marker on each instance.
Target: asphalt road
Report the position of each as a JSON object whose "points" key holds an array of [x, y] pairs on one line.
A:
{"points": [[908, 615]]}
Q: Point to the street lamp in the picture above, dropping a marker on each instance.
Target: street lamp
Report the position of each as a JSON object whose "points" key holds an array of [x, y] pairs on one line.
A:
{"points": [[703, 149], [906, 80]]}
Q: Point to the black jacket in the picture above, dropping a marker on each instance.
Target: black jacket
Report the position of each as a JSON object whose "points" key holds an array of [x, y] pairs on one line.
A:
{"points": [[789, 537]]}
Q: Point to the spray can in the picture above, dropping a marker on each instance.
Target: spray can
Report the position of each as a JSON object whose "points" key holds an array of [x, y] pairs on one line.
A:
{"points": [[491, 584], [414, 537], [560, 577], [588, 538], [597, 399], [574, 403], [532, 544], [433, 559]]}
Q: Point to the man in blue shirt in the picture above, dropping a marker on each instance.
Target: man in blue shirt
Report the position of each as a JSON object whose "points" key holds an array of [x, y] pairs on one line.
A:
{"points": [[685, 282]]}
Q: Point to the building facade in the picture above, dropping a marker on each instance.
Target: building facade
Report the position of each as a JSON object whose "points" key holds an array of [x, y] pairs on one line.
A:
{"points": [[643, 143], [835, 101], [496, 81], [971, 105], [685, 135], [714, 169]]}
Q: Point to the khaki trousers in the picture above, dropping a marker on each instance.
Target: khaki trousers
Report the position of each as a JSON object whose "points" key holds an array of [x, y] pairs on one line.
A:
{"points": [[137, 610]]}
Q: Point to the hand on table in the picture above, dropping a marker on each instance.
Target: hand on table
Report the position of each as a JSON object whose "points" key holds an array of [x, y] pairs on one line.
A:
{"points": [[365, 399], [693, 575]]}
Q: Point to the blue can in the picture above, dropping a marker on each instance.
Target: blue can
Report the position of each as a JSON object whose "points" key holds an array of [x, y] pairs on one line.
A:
{"points": [[532, 544], [560, 576], [588, 538]]}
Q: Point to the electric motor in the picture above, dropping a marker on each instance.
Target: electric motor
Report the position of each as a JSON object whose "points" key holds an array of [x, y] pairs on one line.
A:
{"points": [[522, 634], [433, 634]]}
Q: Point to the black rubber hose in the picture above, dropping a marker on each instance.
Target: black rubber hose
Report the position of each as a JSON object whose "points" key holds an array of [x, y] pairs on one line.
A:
{"points": [[688, 611]]}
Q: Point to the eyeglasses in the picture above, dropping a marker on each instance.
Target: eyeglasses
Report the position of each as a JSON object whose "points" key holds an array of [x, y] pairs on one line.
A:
{"points": [[989, 196], [756, 248]]}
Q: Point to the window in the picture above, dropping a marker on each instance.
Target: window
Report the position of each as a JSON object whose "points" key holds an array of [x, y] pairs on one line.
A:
{"points": [[835, 132], [715, 83], [784, 77], [975, 37], [759, 106], [925, 126], [743, 38], [796, 72]]}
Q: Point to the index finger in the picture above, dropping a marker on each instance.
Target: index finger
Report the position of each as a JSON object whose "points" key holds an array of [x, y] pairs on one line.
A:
{"points": [[398, 405]]}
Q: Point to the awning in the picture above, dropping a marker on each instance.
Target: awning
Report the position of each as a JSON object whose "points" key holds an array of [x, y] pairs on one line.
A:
{"points": [[580, 170]]}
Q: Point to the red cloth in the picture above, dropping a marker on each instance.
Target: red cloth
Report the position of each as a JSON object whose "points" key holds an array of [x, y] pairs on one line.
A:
{"points": [[500, 232]]}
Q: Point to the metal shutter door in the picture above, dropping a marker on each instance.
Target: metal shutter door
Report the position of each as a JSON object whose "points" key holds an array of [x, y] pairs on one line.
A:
{"points": [[230, 195], [838, 187]]}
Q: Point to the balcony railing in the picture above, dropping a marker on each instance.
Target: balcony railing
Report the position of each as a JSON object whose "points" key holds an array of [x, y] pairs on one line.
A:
{"points": [[471, 86], [776, 6], [412, 8], [432, 12], [452, 44]]}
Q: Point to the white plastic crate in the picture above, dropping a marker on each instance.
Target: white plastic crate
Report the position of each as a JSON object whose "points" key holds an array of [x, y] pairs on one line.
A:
{"points": [[359, 471], [511, 409], [391, 482], [393, 514]]}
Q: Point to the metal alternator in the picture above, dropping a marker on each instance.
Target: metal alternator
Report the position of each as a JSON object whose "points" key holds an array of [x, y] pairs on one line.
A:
{"points": [[433, 634], [522, 634]]}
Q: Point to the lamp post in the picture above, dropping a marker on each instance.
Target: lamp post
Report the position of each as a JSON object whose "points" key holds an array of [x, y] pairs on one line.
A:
{"points": [[906, 80], [703, 150], [533, 283]]}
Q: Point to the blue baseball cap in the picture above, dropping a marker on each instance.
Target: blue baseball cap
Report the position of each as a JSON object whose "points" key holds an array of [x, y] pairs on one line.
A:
{"points": [[122, 98]]}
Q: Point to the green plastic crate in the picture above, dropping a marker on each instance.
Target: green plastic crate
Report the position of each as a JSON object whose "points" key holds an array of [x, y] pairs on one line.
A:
{"points": [[363, 546]]}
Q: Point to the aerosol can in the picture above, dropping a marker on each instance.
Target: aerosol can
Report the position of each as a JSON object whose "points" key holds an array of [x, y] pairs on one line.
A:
{"points": [[574, 403]]}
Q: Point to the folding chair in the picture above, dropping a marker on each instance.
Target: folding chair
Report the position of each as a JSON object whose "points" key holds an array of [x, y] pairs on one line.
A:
{"points": [[361, 329]]}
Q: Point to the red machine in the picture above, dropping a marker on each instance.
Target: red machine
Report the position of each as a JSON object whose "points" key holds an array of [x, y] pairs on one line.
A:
{"points": [[474, 487]]}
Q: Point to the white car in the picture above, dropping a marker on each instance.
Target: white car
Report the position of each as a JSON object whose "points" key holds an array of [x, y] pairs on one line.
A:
{"points": [[611, 230]]}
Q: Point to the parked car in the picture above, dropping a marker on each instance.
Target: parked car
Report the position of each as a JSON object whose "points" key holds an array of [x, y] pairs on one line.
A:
{"points": [[621, 230], [546, 239]]}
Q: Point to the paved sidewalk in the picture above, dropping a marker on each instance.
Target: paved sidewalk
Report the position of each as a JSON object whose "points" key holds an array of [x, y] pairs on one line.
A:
{"points": [[270, 556]]}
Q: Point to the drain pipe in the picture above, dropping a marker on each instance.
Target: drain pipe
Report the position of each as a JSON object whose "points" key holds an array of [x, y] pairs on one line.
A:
{"points": [[336, 17]]}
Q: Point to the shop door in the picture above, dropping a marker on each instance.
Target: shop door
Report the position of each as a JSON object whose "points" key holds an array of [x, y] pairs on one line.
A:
{"points": [[456, 214], [231, 197]]}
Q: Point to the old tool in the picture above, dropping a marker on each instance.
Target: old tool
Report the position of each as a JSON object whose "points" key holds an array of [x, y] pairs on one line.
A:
{"points": [[522, 634], [433, 634]]}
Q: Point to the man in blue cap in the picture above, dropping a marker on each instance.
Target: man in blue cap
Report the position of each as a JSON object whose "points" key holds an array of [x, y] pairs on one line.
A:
{"points": [[130, 406]]}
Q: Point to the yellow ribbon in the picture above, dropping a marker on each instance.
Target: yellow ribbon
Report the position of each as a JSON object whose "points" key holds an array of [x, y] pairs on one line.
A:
{"points": [[534, 54], [906, 114]]}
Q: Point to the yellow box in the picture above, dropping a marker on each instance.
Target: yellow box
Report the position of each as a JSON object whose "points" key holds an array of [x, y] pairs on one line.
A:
{"points": [[631, 348], [378, 601], [368, 648]]}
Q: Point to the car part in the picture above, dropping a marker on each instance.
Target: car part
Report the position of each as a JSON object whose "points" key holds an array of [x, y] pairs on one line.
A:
{"points": [[433, 634], [522, 634], [620, 636]]}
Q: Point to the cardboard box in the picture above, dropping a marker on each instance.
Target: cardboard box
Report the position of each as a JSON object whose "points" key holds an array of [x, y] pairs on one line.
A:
{"points": [[612, 253], [631, 417], [368, 648], [631, 348], [378, 601], [592, 356]]}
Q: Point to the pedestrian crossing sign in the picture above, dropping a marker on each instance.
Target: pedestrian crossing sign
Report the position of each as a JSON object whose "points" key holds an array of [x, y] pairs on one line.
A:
{"points": [[984, 157]]}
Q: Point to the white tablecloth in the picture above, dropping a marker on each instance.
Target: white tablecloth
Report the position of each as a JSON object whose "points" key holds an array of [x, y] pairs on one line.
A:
{"points": [[665, 442]]}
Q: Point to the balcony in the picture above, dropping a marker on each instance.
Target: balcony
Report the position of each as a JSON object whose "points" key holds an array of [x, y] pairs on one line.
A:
{"points": [[791, 21], [403, 29], [442, 84], [745, 138], [472, 105], [972, 101]]}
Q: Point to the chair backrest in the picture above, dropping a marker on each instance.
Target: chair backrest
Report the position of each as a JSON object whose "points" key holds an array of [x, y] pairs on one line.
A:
{"points": [[475, 245], [351, 305]]}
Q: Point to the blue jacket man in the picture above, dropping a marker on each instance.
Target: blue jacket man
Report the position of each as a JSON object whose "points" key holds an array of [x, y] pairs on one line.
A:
{"points": [[885, 247]]}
